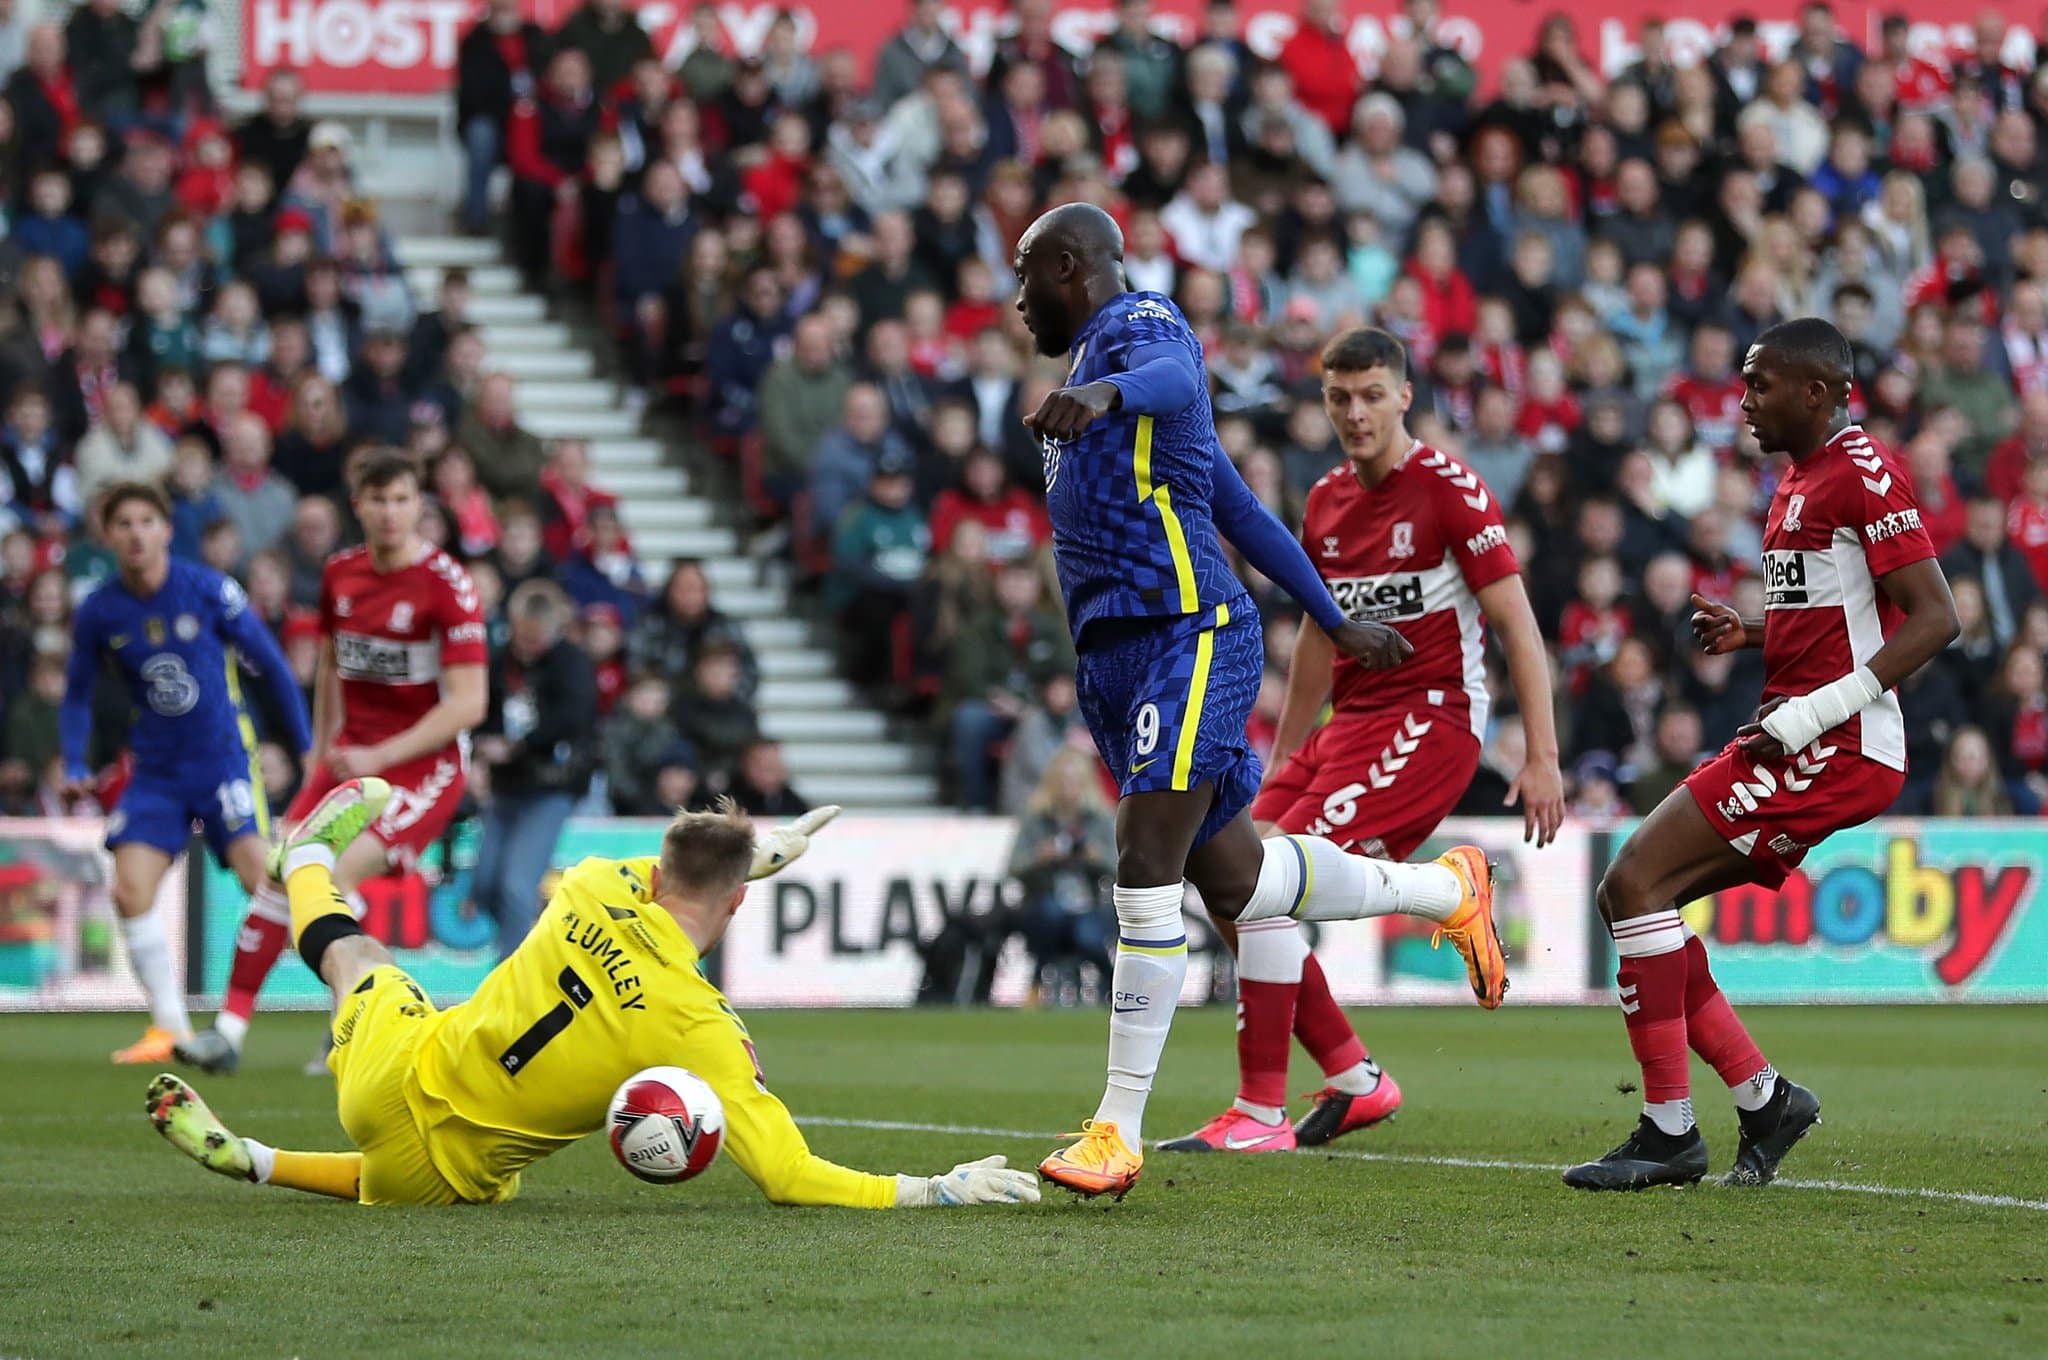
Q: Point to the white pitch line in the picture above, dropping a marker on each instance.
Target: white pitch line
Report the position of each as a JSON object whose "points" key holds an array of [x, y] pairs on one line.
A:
{"points": [[1469, 1163]]}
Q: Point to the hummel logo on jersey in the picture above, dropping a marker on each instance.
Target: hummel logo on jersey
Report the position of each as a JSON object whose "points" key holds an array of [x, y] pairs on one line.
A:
{"points": [[1876, 480], [1792, 509], [1748, 794], [1379, 598], [1784, 578], [1456, 474], [1404, 540], [1486, 540], [1892, 525]]}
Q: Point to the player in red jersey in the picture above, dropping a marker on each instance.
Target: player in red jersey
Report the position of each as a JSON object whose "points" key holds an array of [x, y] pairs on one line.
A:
{"points": [[1405, 535], [401, 682], [1853, 604]]}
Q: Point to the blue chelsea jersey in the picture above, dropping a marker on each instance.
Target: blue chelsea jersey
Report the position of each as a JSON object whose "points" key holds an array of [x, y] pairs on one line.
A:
{"points": [[176, 652], [1129, 496]]}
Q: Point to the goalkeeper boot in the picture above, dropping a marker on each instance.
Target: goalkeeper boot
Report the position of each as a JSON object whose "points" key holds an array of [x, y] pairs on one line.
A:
{"points": [[340, 817], [155, 1046], [1470, 928], [1649, 1157], [1769, 1133], [1336, 1113], [210, 1051], [182, 1117], [1235, 1131], [1102, 1163]]}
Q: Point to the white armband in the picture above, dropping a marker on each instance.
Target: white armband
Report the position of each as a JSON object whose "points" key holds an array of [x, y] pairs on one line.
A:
{"points": [[1797, 722]]}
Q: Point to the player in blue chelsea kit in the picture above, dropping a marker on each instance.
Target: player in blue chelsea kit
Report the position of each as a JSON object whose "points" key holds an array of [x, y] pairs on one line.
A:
{"points": [[174, 631], [1171, 653]]}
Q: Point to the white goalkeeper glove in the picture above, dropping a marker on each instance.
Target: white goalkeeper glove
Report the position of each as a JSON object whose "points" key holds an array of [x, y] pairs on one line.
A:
{"points": [[988, 1181], [780, 847], [1798, 722]]}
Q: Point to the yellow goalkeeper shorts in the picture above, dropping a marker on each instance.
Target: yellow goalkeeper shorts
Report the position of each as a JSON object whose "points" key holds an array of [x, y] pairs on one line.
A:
{"points": [[377, 1033]]}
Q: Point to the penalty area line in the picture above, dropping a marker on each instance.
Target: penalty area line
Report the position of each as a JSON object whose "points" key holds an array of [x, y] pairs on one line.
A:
{"points": [[1989, 1201]]}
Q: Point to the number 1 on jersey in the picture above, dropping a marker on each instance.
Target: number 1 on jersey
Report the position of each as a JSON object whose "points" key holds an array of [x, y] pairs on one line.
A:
{"points": [[527, 1046]]}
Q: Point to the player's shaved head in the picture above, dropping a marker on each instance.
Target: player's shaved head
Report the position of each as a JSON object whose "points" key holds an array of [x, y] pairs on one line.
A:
{"points": [[1810, 343], [1797, 377], [1069, 262], [1083, 229]]}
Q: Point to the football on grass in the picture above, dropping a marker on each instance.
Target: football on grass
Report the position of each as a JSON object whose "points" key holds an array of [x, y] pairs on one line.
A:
{"points": [[666, 1125]]}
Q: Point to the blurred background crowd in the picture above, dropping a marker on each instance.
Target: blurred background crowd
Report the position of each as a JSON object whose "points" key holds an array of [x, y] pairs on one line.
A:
{"points": [[802, 263]]}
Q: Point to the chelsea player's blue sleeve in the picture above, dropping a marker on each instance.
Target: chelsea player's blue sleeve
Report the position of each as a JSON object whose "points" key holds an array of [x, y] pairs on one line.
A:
{"points": [[74, 716], [250, 636]]}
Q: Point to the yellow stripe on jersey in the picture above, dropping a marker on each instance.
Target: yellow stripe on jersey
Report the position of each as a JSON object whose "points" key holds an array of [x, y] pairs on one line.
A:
{"points": [[1176, 537], [250, 747], [1198, 693]]}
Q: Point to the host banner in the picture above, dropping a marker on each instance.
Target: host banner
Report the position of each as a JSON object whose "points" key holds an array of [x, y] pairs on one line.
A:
{"points": [[409, 46], [60, 942]]}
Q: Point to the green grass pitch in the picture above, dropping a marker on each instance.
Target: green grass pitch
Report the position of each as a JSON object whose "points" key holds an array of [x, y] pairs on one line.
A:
{"points": [[114, 1244]]}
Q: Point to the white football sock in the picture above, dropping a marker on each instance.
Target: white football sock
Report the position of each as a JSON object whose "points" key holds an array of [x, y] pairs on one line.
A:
{"points": [[231, 1027], [149, 954], [1359, 1079], [1151, 965], [1756, 1093], [1265, 1114], [1271, 951], [1310, 879], [262, 1160], [1672, 1116]]}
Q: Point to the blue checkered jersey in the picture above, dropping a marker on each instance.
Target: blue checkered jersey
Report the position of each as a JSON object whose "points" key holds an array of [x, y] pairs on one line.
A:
{"points": [[176, 650], [1132, 532]]}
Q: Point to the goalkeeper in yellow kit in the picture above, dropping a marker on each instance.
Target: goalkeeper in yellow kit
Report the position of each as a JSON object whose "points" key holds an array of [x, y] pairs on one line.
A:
{"points": [[447, 1107]]}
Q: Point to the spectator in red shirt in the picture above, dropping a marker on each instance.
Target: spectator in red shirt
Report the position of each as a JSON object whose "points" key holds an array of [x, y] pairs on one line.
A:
{"points": [[1594, 624], [1450, 306], [495, 68], [1316, 59], [568, 497], [1016, 521], [2026, 523]]}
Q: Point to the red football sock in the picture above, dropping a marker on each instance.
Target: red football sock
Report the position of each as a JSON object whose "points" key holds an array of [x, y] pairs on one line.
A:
{"points": [[1652, 979], [1711, 1025], [257, 946], [1321, 1025], [1265, 1019]]}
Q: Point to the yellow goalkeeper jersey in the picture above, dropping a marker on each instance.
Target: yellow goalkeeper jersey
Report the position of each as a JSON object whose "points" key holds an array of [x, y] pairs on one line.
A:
{"points": [[605, 984]]}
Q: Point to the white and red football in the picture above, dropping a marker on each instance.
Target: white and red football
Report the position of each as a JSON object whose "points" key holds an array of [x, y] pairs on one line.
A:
{"points": [[665, 1125]]}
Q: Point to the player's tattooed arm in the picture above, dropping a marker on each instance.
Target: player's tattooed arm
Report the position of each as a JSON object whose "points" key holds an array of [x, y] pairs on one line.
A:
{"points": [[1718, 628]]}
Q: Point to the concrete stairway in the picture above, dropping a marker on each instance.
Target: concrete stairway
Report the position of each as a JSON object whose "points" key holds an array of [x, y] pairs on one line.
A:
{"points": [[838, 750]]}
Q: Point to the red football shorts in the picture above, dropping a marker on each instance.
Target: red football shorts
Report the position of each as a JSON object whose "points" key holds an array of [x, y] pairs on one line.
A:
{"points": [[1377, 783], [424, 796], [1774, 811]]}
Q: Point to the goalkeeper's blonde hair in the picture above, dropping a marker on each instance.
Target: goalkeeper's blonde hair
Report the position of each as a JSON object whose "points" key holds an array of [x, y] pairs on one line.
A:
{"points": [[708, 853]]}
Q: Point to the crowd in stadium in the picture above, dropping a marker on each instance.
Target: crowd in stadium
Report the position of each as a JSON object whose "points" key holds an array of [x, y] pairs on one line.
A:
{"points": [[807, 257]]}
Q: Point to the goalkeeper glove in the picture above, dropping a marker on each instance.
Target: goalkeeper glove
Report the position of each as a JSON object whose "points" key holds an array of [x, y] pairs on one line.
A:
{"points": [[780, 847], [988, 1181]]}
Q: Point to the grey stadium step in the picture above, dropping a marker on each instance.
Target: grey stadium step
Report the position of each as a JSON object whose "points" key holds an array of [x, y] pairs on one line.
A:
{"points": [[884, 792], [651, 514], [862, 757], [607, 455], [487, 280], [847, 726], [670, 543], [770, 633], [810, 663], [829, 692], [521, 308], [526, 337], [439, 252], [551, 423], [543, 368], [650, 486]]}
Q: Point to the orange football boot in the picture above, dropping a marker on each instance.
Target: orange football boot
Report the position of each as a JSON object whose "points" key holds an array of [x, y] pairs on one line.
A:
{"points": [[1470, 928], [1102, 1163]]}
